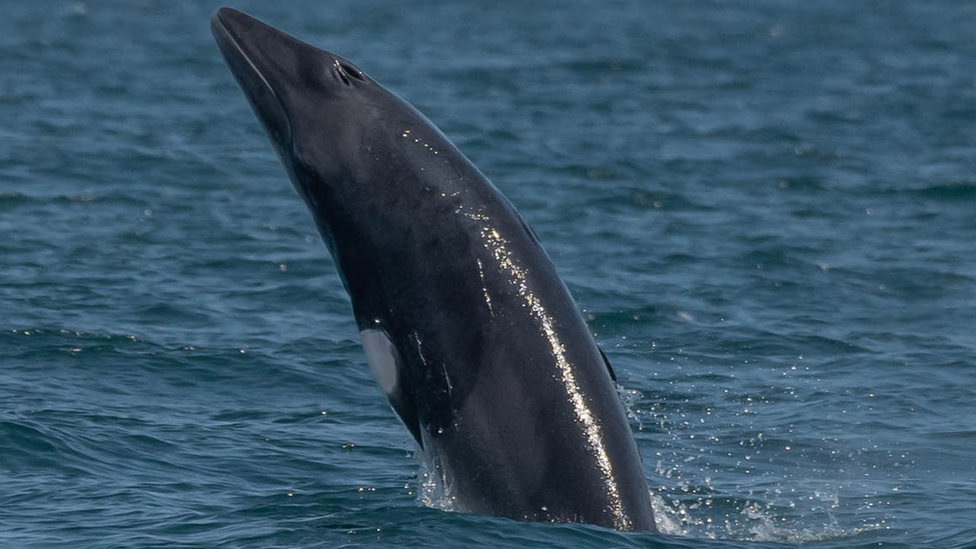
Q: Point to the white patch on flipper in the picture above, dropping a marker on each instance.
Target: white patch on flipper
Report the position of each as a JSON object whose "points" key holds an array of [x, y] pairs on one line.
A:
{"points": [[382, 358]]}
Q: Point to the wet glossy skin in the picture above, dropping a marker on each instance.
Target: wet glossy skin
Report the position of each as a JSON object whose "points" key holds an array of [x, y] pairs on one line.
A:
{"points": [[469, 330]]}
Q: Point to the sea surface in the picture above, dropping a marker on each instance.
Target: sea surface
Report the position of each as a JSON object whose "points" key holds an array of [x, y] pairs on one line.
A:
{"points": [[766, 210]]}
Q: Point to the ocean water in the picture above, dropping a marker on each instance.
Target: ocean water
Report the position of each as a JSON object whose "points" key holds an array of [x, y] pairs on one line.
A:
{"points": [[766, 209]]}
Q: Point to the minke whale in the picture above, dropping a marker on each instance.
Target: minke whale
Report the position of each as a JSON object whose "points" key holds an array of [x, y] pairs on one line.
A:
{"points": [[466, 326]]}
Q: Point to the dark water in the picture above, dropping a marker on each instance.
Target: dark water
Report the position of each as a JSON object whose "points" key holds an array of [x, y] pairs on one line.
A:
{"points": [[766, 210]]}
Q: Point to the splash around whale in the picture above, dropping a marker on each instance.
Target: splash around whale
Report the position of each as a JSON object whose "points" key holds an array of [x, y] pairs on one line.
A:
{"points": [[465, 324]]}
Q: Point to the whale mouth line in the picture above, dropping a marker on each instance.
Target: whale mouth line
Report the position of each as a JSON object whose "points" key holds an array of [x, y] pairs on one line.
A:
{"points": [[229, 44], [235, 41]]}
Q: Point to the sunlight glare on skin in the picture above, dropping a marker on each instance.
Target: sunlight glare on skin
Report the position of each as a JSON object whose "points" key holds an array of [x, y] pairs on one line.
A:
{"points": [[518, 277]]}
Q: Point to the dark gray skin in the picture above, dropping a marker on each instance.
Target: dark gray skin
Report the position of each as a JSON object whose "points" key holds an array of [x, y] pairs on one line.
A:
{"points": [[496, 375]]}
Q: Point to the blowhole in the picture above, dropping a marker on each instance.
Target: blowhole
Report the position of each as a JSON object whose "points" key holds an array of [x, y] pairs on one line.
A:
{"points": [[347, 71]]}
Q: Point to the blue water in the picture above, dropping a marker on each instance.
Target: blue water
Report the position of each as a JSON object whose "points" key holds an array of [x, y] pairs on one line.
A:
{"points": [[766, 209]]}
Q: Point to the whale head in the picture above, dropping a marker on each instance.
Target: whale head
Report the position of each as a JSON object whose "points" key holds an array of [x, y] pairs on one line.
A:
{"points": [[321, 112]]}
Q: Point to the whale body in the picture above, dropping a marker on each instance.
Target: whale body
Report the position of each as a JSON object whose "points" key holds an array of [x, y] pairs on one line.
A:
{"points": [[466, 325]]}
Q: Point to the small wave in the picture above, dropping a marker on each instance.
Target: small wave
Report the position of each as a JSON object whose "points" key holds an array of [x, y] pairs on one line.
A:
{"points": [[948, 191], [952, 191], [661, 200], [39, 342], [13, 197]]}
